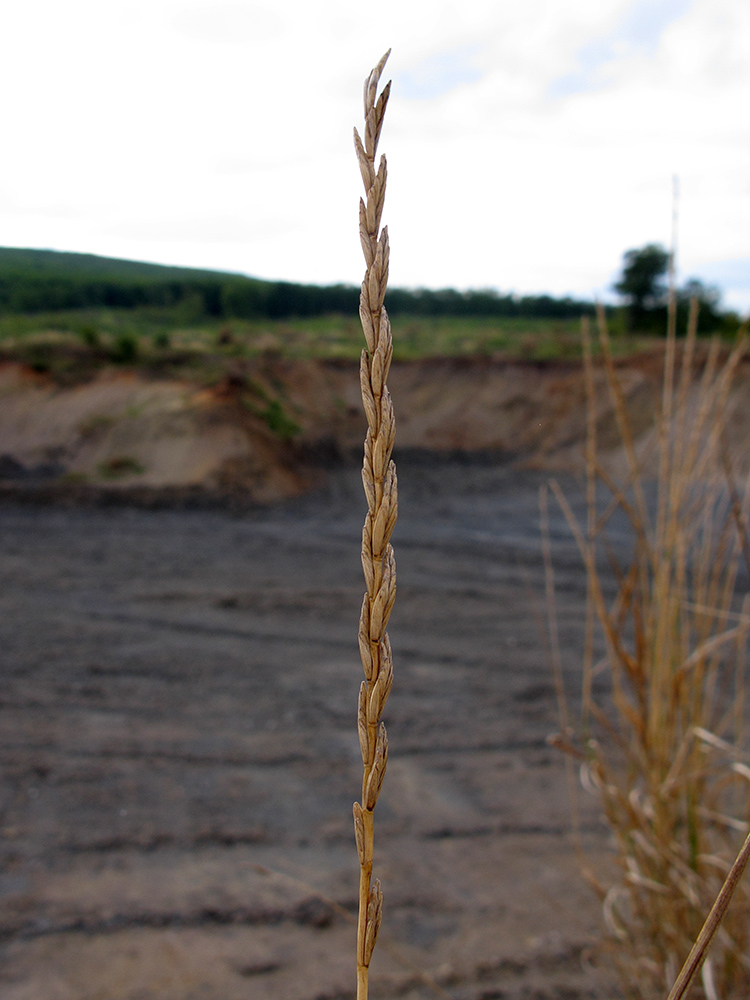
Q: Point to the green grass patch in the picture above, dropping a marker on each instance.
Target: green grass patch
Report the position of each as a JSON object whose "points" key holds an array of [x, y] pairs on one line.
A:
{"points": [[120, 466], [162, 342]]}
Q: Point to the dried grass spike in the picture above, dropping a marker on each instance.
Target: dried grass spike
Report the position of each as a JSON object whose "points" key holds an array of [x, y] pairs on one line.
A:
{"points": [[380, 486]]}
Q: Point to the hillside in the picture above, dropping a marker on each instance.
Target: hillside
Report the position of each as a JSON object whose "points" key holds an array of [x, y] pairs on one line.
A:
{"points": [[22, 261], [270, 426], [38, 280]]}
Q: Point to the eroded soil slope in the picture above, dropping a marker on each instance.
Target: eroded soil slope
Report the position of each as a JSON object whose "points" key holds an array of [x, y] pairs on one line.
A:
{"points": [[265, 429]]}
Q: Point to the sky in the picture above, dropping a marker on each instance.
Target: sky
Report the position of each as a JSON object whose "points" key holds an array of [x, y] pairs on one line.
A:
{"points": [[528, 145]]}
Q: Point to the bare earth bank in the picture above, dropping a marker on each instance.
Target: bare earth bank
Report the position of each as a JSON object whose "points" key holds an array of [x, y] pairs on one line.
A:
{"points": [[265, 429]]}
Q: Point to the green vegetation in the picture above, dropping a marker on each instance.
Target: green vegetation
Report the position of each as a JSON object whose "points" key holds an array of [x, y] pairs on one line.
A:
{"points": [[37, 281], [642, 283], [270, 410], [68, 315], [644, 288], [120, 466], [55, 343], [125, 348]]}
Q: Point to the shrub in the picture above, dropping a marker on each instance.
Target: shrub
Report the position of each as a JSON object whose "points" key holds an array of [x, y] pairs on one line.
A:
{"points": [[120, 466], [125, 348], [89, 335]]}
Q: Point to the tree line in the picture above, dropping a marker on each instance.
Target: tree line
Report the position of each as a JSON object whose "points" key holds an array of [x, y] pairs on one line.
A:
{"points": [[644, 289], [33, 281]]}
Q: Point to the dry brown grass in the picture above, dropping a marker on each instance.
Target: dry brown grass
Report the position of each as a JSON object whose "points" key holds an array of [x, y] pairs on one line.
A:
{"points": [[663, 739], [379, 479]]}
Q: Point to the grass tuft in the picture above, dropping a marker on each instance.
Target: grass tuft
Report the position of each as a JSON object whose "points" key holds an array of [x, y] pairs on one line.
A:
{"points": [[662, 735], [119, 467]]}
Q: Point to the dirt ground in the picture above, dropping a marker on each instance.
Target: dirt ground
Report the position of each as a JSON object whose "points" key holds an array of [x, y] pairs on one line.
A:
{"points": [[179, 755]]}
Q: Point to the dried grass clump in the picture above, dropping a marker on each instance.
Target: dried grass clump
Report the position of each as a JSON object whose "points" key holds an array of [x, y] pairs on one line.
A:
{"points": [[664, 739], [379, 479]]}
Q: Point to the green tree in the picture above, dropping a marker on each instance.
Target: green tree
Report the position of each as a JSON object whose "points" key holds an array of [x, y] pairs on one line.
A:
{"points": [[642, 282], [711, 317], [708, 296]]}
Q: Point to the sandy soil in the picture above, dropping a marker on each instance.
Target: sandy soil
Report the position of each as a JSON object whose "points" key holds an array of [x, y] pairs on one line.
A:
{"points": [[179, 755], [122, 432]]}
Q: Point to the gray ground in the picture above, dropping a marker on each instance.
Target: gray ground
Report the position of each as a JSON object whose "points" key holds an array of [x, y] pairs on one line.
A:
{"points": [[179, 756]]}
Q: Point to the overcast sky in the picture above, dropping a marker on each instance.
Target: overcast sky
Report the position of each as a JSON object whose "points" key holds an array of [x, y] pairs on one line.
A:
{"points": [[529, 144]]}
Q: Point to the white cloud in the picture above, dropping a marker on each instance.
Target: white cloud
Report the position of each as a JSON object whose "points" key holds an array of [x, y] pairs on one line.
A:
{"points": [[232, 23], [636, 32], [440, 73], [529, 145]]}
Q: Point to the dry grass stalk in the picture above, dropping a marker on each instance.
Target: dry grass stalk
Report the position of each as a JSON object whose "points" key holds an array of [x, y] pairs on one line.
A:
{"points": [[713, 922], [379, 479], [664, 746]]}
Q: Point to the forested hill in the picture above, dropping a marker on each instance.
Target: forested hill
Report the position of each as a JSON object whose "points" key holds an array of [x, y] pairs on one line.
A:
{"points": [[44, 280]]}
